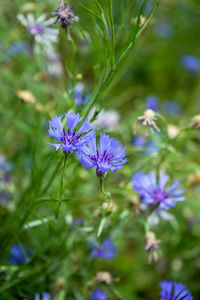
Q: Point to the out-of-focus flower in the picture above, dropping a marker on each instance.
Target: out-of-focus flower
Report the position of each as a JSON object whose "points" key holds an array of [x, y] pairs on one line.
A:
{"points": [[155, 194], [172, 131], [163, 30], [148, 119], [19, 254], [104, 277], [196, 122], [151, 246], [54, 65], [80, 94], [172, 108], [98, 295], [39, 28], [26, 96], [70, 140], [45, 296], [171, 290], [106, 250], [152, 102], [65, 16], [149, 147], [5, 166], [108, 156], [6, 186], [142, 21], [190, 63], [107, 119]]}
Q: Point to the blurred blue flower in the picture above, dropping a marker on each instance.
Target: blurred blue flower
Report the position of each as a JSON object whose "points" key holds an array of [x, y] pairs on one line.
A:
{"points": [[5, 166], [152, 102], [172, 108], [108, 156], [174, 291], [98, 295], [149, 147], [45, 296], [155, 194], [71, 139], [80, 94], [39, 28], [106, 250], [163, 30], [19, 47], [191, 63], [19, 255]]}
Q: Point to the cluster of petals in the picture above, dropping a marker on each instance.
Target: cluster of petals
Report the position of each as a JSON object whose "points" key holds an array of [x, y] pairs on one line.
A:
{"points": [[108, 155], [154, 192]]}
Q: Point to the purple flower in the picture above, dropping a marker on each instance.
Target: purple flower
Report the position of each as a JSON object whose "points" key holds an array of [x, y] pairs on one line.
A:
{"points": [[70, 139], [106, 250], [174, 291], [163, 30], [108, 156], [80, 94], [98, 295], [172, 108], [150, 147], [190, 63], [152, 102], [65, 16], [45, 296], [155, 194], [18, 254]]}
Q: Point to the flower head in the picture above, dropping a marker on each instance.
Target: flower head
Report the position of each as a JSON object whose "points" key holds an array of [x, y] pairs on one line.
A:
{"points": [[65, 16], [191, 63], [98, 295], [174, 291], [108, 156], [39, 28], [172, 108], [80, 94], [148, 120], [19, 255], [155, 194], [70, 139], [45, 296], [152, 102], [107, 119], [106, 250]]}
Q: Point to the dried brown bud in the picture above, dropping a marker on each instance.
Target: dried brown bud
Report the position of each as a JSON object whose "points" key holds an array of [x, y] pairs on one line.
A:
{"points": [[147, 120]]}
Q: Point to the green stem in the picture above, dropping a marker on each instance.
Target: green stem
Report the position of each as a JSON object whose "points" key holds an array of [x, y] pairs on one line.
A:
{"points": [[102, 185], [62, 176], [51, 179]]}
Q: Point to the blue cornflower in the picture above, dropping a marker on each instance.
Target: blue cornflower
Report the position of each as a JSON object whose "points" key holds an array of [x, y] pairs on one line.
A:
{"points": [[163, 30], [174, 291], [19, 255], [80, 94], [106, 250], [155, 194], [150, 147], [98, 295], [70, 139], [152, 102], [65, 16], [108, 156], [45, 296], [172, 108], [191, 63]]}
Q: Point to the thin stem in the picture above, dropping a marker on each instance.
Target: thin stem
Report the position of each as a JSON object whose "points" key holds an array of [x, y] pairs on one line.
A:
{"points": [[51, 178], [62, 176], [102, 185]]}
